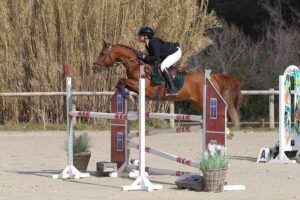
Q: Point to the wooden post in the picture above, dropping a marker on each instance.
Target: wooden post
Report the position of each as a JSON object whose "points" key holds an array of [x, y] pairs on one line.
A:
{"points": [[262, 123], [44, 117], [272, 109]]}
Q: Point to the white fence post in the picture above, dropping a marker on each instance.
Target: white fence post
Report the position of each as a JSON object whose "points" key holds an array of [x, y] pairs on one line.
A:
{"points": [[272, 109], [172, 111]]}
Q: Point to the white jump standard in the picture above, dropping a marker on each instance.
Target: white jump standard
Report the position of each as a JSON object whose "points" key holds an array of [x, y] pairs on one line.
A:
{"points": [[70, 171], [289, 139], [142, 182]]}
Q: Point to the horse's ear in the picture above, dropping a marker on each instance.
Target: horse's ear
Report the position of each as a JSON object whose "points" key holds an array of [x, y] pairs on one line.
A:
{"points": [[105, 44]]}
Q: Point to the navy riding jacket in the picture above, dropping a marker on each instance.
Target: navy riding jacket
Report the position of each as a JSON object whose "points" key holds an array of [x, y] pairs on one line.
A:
{"points": [[158, 50]]}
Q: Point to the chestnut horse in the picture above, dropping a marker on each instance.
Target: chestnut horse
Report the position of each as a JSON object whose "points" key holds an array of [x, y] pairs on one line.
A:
{"points": [[192, 90]]}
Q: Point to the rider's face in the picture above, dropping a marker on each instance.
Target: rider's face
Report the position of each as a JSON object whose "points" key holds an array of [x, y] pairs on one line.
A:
{"points": [[141, 38]]}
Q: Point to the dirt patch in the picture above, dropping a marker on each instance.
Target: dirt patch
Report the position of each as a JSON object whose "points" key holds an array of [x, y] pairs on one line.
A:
{"points": [[28, 160]]}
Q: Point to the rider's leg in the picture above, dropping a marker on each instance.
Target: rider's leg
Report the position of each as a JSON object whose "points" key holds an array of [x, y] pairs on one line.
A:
{"points": [[168, 62]]}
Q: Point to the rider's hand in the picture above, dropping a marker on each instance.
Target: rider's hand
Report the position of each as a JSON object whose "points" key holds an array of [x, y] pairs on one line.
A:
{"points": [[140, 55]]}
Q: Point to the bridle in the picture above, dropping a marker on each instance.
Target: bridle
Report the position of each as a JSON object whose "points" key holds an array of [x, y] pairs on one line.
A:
{"points": [[97, 67]]}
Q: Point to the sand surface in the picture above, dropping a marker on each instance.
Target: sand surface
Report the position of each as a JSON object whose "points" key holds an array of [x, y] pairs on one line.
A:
{"points": [[28, 160]]}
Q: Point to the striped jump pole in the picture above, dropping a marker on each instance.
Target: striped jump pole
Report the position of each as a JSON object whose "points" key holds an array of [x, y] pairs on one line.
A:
{"points": [[159, 171], [178, 130], [102, 115], [165, 155], [134, 115], [151, 115]]}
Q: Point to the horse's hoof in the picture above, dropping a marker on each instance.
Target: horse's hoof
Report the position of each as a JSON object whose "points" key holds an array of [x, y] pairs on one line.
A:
{"points": [[228, 134], [130, 98]]}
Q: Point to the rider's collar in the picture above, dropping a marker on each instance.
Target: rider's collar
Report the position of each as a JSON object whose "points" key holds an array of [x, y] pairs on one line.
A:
{"points": [[147, 42]]}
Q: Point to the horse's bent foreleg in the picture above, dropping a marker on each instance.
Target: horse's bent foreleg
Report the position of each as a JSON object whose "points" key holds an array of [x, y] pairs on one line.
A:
{"points": [[130, 84]]}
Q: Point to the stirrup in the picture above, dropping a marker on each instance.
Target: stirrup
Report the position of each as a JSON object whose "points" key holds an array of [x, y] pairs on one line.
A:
{"points": [[172, 94]]}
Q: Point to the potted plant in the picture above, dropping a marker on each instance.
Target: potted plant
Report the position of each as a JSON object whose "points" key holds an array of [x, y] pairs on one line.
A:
{"points": [[81, 152], [214, 165]]}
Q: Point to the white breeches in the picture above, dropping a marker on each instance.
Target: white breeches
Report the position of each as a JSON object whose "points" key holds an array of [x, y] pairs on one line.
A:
{"points": [[171, 60]]}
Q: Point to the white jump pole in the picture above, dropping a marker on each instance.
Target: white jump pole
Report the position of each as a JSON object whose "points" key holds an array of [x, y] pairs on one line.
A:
{"points": [[142, 182], [207, 76], [134, 115], [152, 115], [70, 171], [102, 115]]}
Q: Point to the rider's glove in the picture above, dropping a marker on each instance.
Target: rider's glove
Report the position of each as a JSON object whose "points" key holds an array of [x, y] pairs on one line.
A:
{"points": [[140, 55]]}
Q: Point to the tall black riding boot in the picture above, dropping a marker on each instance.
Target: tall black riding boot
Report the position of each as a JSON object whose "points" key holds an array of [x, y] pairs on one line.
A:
{"points": [[172, 91]]}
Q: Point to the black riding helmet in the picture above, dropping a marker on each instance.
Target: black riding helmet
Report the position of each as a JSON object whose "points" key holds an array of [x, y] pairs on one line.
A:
{"points": [[147, 31]]}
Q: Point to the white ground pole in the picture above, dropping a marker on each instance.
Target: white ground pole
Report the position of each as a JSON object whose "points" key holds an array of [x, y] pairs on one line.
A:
{"points": [[142, 182], [159, 171], [283, 146], [70, 171]]}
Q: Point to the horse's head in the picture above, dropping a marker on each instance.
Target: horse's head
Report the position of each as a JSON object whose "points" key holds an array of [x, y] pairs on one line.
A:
{"points": [[105, 58]]}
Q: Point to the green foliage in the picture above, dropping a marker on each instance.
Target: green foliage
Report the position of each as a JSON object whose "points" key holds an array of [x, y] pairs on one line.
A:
{"points": [[214, 162], [214, 159], [81, 144]]}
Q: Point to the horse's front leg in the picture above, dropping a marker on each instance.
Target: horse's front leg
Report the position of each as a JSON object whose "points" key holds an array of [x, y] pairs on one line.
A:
{"points": [[130, 84]]}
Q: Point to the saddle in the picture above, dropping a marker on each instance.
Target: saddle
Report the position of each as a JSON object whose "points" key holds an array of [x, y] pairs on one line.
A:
{"points": [[174, 70], [177, 73]]}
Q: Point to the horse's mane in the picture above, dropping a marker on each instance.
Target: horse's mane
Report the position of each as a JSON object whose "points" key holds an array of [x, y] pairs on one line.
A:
{"points": [[128, 47], [132, 49]]}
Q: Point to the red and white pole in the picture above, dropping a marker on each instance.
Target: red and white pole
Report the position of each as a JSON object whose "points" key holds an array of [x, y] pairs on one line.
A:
{"points": [[165, 155]]}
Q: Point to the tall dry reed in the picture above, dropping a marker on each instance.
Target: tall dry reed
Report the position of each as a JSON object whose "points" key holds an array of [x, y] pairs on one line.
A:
{"points": [[38, 36]]}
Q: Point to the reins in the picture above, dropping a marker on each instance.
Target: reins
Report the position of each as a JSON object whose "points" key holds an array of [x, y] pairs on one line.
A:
{"points": [[114, 64]]}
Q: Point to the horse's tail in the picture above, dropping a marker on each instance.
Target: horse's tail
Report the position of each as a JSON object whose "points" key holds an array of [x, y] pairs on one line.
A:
{"points": [[238, 100], [230, 89], [234, 94]]}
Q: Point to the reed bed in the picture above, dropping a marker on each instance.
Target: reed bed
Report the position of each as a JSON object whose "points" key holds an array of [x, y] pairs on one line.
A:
{"points": [[38, 36]]}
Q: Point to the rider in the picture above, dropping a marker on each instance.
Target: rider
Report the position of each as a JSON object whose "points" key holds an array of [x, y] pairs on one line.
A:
{"points": [[159, 52]]}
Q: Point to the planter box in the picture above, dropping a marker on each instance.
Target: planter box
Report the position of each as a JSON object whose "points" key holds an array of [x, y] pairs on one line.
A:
{"points": [[81, 160], [214, 180]]}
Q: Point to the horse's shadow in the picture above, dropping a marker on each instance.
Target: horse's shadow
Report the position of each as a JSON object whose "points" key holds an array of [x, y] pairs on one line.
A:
{"points": [[49, 173], [41, 173]]}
